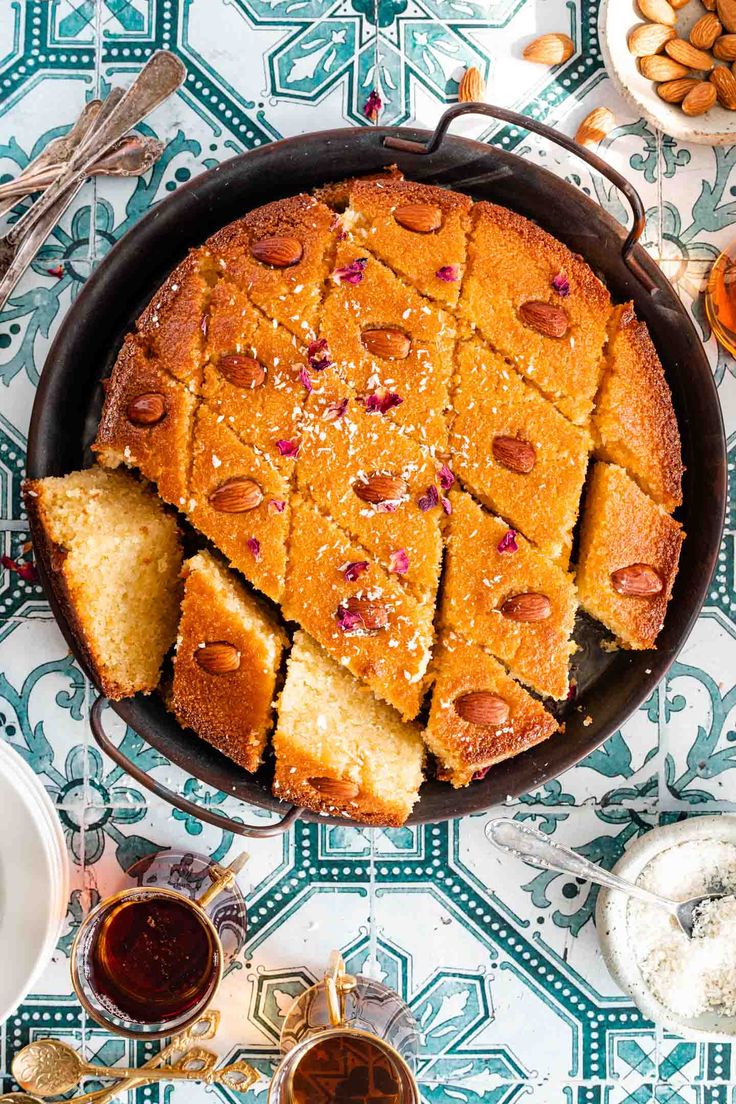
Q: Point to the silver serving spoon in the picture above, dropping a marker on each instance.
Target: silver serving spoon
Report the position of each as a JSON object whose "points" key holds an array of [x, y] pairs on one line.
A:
{"points": [[534, 847]]}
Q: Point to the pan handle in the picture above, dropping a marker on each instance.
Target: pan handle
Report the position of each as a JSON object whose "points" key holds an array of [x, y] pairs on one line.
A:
{"points": [[524, 123], [182, 803]]}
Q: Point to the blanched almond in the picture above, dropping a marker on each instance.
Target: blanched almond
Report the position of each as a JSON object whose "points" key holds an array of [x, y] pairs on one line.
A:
{"points": [[381, 488], [595, 126], [236, 496], [241, 371], [550, 49], [514, 453], [146, 409], [545, 318], [527, 607], [675, 91], [658, 11], [640, 580], [658, 67], [699, 99], [279, 252], [472, 86], [422, 218], [725, 48], [389, 344], [725, 85], [339, 789], [481, 707], [218, 657], [649, 38], [705, 32], [682, 51]]}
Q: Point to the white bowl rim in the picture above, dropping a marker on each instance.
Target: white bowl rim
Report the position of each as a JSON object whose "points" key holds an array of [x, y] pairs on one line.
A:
{"points": [[611, 924]]}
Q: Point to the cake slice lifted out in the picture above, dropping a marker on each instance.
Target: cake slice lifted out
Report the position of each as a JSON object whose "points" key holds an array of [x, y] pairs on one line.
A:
{"points": [[280, 254], [389, 345], [114, 557], [634, 421], [539, 304], [501, 593], [228, 655], [419, 230], [629, 552], [515, 451], [479, 715], [360, 614], [339, 751], [147, 423]]}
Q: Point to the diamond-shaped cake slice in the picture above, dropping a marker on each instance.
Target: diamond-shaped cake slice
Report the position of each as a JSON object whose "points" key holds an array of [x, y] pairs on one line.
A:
{"points": [[634, 421], [389, 345], [173, 324], [539, 304], [280, 255], [239, 499], [419, 230], [147, 423], [228, 654], [255, 375], [515, 451], [339, 751], [629, 552], [479, 715], [377, 485], [370, 624], [505, 595]]}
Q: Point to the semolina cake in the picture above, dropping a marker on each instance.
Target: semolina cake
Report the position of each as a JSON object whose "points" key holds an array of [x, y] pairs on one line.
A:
{"points": [[240, 500], [113, 554], [419, 230], [339, 751], [503, 594], [228, 654], [479, 715], [255, 374], [374, 482], [389, 345], [629, 552], [634, 420], [539, 304], [336, 193], [365, 620], [515, 451], [172, 326], [280, 255], [147, 423]]}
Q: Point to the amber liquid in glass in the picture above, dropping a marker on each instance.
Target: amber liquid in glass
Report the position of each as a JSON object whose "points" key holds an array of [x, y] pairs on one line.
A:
{"points": [[343, 1069], [153, 959], [720, 299]]}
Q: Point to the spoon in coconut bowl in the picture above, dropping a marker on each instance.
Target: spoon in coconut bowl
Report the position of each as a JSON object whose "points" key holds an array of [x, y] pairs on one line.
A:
{"points": [[527, 843]]}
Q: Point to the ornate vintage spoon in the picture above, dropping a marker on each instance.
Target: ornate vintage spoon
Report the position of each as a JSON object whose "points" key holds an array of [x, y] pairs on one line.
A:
{"points": [[534, 847]]}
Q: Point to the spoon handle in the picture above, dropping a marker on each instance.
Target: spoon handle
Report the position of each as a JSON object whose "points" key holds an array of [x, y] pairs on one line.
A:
{"points": [[534, 847]]}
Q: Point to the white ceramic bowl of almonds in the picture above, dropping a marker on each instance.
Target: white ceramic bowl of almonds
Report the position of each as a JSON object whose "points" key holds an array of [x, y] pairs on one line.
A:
{"points": [[620, 19], [617, 930]]}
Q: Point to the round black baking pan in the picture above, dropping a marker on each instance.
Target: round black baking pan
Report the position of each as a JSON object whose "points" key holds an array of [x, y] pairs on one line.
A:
{"points": [[611, 685]]}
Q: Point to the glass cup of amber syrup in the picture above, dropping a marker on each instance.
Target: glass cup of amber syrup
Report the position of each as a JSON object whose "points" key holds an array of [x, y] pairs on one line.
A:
{"points": [[148, 960], [347, 1040], [720, 299]]}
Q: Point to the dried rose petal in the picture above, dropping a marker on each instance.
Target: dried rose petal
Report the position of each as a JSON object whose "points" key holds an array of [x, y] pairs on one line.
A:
{"points": [[56, 270], [334, 411], [507, 542], [381, 401], [372, 106], [561, 284], [449, 273], [480, 774], [204, 325], [430, 499], [445, 477], [26, 571], [319, 355], [337, 228], [276, 506], [288, 448], [305, 378], [354, 569], [347, 619], [254, 547], [351, 273], [446, 506], [572, 691], [398, 562]]}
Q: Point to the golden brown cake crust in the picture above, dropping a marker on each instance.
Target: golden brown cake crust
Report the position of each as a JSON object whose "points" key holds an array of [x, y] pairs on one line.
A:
{"points": [[231, 709], [336, 194], [634, 418]]}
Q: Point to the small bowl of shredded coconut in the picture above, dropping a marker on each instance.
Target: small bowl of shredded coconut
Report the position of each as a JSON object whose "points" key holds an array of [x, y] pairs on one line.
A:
{"points": [[688, 985]]}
